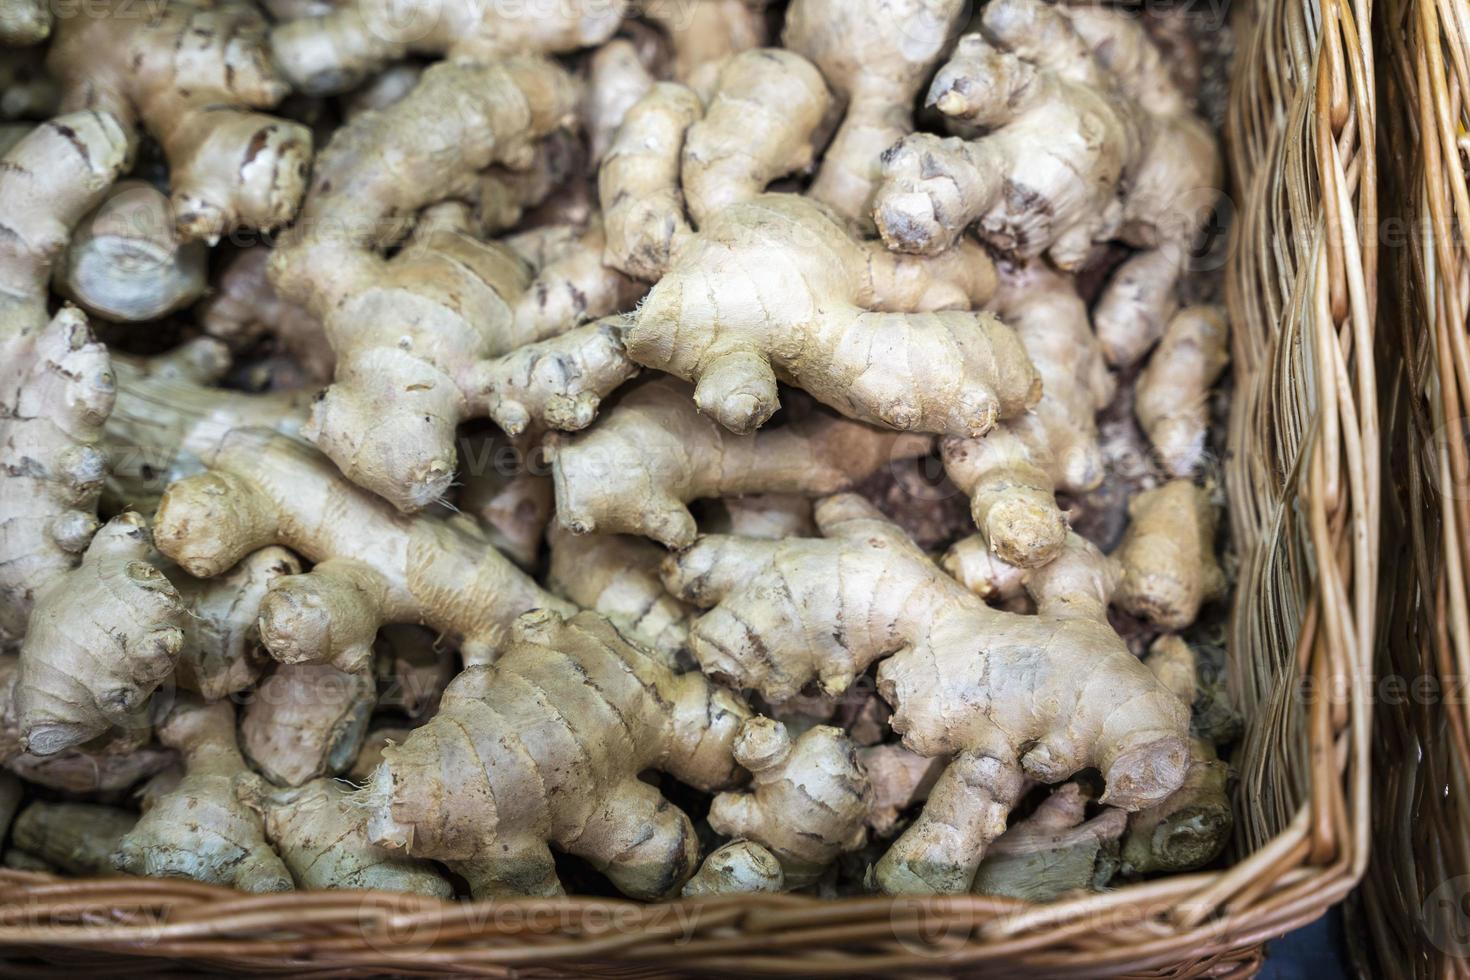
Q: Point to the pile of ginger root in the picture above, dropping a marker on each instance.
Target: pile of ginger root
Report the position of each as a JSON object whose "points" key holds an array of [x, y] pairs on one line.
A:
{"points": [[691, 448]]}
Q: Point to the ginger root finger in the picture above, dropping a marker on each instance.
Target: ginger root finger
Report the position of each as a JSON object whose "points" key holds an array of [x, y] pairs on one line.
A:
{"points": [[737, 868], [1168, 555], [653, 454], [201, 829], [1173, 391], [306, 721], [192, 77], [102, 638], [1054, 851], [75, 838], [375, 565]]}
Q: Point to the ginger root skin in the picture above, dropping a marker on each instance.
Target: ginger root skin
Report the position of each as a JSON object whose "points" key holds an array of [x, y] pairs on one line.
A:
{"points": [[877, 70], [429, 338], [306, 721], [1173, 391], [74, 838], [1189, 828], [192, 76], [464, 789], [808, 800], [244, 307], [1168, 555], [201, 829], [102, 638], [341, 47], [741, 867], [322, 838], [636, 472], [1053, 852], [373, 564], [56, 383], [774, 626], [617, 575]]}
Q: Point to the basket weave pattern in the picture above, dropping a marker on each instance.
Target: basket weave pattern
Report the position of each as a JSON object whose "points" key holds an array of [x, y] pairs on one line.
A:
{"points": [[1303, 485]]}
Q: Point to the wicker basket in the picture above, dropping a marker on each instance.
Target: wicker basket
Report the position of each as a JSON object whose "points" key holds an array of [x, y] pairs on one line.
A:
{"points": [[1413, 902], [1303, 484]]}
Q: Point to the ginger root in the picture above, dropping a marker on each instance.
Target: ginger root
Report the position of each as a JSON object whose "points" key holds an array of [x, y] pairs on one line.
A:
{"points": [[201, 829], [322, 838], [25, 22], [1168, 555], [636, 472], [875, 54], [245, 307], [125, 261], [544, 748], [1190, 827], [102, 638], [192, 75], [808, 801], [75, 838], [373, 565], [417, 336], [306, 721], [338, 49], [56, 384], [1012, 474], [1173, 391], [1053, 693], [1054, 851], [618, 576], [900, 779], [739, 867], [165, 418]]}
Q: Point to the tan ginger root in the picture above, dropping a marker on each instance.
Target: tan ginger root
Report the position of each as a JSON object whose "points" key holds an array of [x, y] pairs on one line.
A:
{"points": [[413, 668], [1054, 851], [221, 637], [1168, 555], [125, 261], [636, 472], [1173, 391], [1171, 193], [322, 838], [341, 48], [373, 565], [201, 829], [813, 316], [808, 800], [107, 766], [767, 515], [1010, 696], [472, 788], [706, 34], [56, 384], [1045, 175], [245, 307], [506, 483], [1189, 828], [572, 285], [192, 75], [618, 576], [165, 418], [876, 54], [102, 638], [900, 779], [739, 867], [75, 838], [419, 338], [305, 721], [1012, 474], [616, 80], [1077, 150]]}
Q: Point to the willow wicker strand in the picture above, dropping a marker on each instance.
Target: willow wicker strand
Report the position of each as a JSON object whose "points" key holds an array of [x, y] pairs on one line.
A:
{"points": [[1411, 903], [1302, 480]]}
